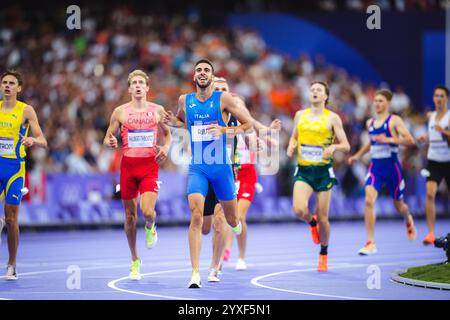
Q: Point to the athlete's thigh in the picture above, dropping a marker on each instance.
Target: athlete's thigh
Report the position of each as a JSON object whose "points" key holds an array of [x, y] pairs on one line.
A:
{"points": [[197, 182], [395, 182], [223, 183], [243, 206], [302, 192]]}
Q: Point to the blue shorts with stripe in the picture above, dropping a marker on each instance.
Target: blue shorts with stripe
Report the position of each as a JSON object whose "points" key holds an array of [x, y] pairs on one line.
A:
{"points": [[389, 173], [12, 180], [219, 175]]}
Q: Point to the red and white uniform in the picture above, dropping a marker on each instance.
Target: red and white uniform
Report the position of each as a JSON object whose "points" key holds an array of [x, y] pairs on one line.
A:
{"points": [[138, 169], [246, 176]]}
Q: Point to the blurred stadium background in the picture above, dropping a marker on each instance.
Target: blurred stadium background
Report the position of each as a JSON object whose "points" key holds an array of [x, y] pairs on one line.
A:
{"points": [[269, 51]]}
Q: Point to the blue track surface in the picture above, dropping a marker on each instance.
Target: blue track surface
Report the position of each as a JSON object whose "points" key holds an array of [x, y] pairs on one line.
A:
{"points": [[281, 259]]}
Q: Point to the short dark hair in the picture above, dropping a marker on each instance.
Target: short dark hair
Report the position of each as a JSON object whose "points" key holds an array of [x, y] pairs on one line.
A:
{"points": [[442, 87], [204, 61], [385, 93], [13, 73], [327, 88]]}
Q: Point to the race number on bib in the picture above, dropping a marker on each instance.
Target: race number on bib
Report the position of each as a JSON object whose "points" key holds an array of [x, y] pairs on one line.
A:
{"points": [[6, 146], [141, 138], [311, 153], [200, 133], [380, 151]]}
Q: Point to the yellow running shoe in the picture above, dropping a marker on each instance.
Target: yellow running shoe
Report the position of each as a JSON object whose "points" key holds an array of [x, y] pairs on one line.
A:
{"points": [[151, 236], [135, 273]]}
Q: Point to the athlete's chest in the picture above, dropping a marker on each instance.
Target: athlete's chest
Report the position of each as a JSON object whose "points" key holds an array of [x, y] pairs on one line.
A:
{"points": [[10, 121], [314, 126], [141, 119], [202, 112]]}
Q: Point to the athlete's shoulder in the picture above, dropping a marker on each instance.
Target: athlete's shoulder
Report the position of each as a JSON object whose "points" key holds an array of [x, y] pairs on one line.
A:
{"points": [[334, 117], [369, 122], [396, 119]]}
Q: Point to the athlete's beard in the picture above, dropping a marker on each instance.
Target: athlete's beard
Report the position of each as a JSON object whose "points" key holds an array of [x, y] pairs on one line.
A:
{"points": [[201, 86]]}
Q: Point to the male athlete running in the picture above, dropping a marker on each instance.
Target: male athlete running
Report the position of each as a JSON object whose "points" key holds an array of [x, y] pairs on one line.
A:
{"points": [[387, 132], [204, 112], [314, 131], [438, 167], [138, 121], [16, 119]]}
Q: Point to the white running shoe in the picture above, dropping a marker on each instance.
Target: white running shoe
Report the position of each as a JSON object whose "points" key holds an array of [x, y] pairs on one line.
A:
{"points": [[213, 275], [11, 273], [195, 280], [241, 265], [368, 249], [2, 225]]}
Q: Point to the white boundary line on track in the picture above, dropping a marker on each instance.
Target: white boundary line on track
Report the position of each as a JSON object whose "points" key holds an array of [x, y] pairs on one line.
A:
{"points": [[112, 285], [255, 280]]}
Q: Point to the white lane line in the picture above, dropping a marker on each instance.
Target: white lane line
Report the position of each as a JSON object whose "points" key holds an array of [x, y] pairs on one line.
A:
{"points": [[255, 281], [112, 285]]}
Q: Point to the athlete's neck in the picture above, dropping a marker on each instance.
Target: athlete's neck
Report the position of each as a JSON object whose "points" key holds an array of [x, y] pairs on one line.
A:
{"points": [[204, 93], [382, 115], [139, 103], [8, 103], [440, 112], [317, 108]]}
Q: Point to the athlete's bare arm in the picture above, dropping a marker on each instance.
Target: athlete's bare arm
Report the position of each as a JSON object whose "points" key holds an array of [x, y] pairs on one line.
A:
{"points": [[163, 151], [366, 148], [400, 135], [293, 140], [178, 120], [114, 124], [338, 129], [228, 103], [37, 137], [445, 132]]}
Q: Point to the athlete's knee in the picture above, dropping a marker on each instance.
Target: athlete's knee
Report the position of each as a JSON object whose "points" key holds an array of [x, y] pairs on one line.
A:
{"points": [[301, 210], [219, 224], [369, 202], [130, 216], [11, 220], [430, 195], [148, 213], [196, 219]]}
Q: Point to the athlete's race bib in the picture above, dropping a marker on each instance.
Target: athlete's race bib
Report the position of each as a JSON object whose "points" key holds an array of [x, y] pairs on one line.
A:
{"points": [[439, 146], [380, 151], [311, 153], [141, 138], [6, 146], [200, 132]]}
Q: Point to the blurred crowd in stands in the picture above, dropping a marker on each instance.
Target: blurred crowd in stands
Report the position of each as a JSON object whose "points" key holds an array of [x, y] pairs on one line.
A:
{"points": [[75, 80]]}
